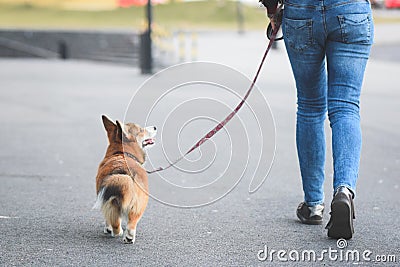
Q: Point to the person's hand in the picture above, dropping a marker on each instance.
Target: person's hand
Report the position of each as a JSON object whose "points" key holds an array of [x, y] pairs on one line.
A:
{"points": [[273, 21], [276, 19]]}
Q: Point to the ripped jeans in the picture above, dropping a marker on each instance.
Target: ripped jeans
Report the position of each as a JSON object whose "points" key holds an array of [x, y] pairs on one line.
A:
{"points": [[328, 43]]}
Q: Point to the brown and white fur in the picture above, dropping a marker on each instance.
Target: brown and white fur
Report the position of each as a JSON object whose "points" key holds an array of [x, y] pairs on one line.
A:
{"points": [[121, 181]]}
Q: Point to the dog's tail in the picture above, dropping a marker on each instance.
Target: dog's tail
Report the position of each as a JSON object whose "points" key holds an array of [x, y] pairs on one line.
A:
{"points": [[109, 201], [99, 200]]}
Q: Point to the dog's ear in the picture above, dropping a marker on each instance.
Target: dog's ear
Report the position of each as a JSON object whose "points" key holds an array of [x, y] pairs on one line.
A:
{"points": [[121, 133], [110, 127]]}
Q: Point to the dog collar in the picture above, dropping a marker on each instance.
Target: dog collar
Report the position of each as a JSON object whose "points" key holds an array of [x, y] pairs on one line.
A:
{"points": [[133, 157], [130, 156]]}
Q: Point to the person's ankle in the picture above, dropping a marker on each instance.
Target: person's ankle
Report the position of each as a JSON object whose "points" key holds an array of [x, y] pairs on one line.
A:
{"points": [[344, 189]]}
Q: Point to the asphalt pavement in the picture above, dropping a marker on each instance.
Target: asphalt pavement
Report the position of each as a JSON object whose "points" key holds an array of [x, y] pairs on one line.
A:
{"points": [[52, 140]]}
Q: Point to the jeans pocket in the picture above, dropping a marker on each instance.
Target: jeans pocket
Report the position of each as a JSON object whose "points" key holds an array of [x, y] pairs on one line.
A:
{"points": [[298, 33], [355, 28]]}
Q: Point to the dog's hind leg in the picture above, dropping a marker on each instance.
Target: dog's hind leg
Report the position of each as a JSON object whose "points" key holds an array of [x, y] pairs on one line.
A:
{"points": [[112, 213], [130, 233], [116, 228], [113, 227]]}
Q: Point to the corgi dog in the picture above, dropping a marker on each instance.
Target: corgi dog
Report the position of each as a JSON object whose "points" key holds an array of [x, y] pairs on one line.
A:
{"points": [[121, 181]]}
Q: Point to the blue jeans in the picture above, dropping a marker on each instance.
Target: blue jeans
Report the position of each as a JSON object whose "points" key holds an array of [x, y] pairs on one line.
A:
{"points": [[328, 43]]}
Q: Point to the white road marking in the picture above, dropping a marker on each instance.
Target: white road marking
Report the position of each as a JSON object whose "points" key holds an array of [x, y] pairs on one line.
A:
{"points": [[7, 217]]}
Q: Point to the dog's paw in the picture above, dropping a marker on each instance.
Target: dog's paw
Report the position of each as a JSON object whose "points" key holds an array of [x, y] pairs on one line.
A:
{"points": [[129, 236], [128, 240], [107, 230]]}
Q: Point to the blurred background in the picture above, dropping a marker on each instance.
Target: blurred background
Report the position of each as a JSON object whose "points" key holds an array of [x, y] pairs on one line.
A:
{"points": [[133, 32]]}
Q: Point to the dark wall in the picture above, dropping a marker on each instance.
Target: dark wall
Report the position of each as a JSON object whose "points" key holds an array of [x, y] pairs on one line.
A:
{"points": [[114, 46]]}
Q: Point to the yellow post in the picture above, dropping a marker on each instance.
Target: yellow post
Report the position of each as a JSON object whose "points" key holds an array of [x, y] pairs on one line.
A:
{"points": [[194, 51], [182, 46]]}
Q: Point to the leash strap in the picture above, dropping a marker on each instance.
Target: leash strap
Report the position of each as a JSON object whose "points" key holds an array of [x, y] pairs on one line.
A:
{"points": [[217, 128]]}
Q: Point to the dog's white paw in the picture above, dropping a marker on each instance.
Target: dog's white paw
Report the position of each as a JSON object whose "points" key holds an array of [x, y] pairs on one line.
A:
{"points": [[107, 230], [129, 236]]}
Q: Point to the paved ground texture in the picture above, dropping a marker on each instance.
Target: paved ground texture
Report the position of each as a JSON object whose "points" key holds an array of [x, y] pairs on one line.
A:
{"points": [[52, 140]]}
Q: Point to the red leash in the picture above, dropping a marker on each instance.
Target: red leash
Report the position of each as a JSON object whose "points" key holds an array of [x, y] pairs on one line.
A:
{"points": [[217, 128]]}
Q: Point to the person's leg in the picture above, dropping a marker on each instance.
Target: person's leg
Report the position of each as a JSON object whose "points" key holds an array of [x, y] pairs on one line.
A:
{"points": [[306, 53], [347, 51], [310, 133], [350, 37]]}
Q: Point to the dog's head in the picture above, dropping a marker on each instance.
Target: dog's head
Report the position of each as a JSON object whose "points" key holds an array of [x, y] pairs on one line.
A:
{"points": [[130, 135], [143, 136]]}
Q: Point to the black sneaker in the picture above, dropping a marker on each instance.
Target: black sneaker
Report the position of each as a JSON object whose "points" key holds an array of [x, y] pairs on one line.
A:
{"points": [[310, 214], [342, 214]]}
